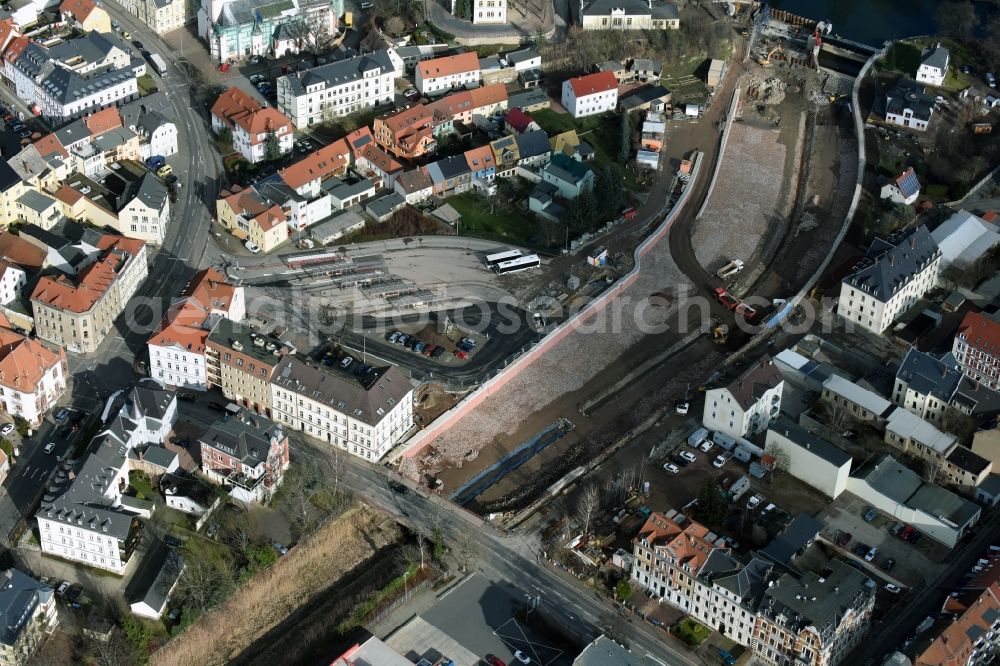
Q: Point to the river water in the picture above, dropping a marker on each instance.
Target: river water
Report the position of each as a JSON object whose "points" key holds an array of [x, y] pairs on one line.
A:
{"points": [[868, 21]]}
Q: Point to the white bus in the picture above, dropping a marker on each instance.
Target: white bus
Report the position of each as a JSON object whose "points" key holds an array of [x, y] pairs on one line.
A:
{"points": [[519, 264], [493, 259]]}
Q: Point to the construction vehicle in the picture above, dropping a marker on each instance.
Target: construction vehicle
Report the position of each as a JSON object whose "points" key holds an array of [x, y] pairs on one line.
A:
{"points": [[730, 269], [766, 60], [728, 300]]}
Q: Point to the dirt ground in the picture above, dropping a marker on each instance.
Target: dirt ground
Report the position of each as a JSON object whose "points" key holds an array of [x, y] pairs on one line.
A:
{"points": [[432, 401], [309, 569]]}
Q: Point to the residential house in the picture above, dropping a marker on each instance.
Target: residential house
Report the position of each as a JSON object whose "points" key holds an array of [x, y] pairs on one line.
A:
{"points": [[415, 186], [976, 348], [72, 78], [965, 469], [616, 67], [933, 65], [629, 15], [306, 175], [487, 101], [258, 133], [371, 160], [247, 454], [590, 94], [337, 89], [78, 310], [128, 200], [908, 105], [728, 593], [27, 613], [241, 361], [363, 415], [189, 495], [414, 131], [12, 280], [602, 650], [11, 189], [150, 118], [811, 619], [249, 216], [925, 386], [809, 458], [568, 176], [529, 100], [748, 404], [532, 149], [506, 155], [384, 207], [32, 376], [489, 12], [237, 29], [524, 59], [964, 238], [895, 274], [481, 164], [39, 209], [911, 434], [348, 192], [86, 517], [903, 189], [447, 72], [644, 70], [451, 175], [518, 122], [411, 54], [162, 16], [86, 15], [337, 227], [177, 347], [897, 491]]}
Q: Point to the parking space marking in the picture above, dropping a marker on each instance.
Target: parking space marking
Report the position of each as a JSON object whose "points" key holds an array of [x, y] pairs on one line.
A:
{"points": [[518, 640]]}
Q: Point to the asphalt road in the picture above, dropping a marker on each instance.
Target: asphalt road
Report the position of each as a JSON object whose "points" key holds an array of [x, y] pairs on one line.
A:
{"points": [[514, 558]]}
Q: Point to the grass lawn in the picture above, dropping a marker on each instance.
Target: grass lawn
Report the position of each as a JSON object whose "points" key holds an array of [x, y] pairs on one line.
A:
{"points": [[691, 632], [146, 84], [557, 123], [903, 57], [477, 220], [140, 482]]}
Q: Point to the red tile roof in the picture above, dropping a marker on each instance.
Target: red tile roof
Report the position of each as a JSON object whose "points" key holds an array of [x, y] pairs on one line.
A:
{"points": [[591, 84], [20, 252], [79, 295], [449, 65], [49, 144], [956, 643], [78, 9], [480, 158], [23, 361], [981, 332], [323, 163], [989, 215], [102, 121], [488, 95]]}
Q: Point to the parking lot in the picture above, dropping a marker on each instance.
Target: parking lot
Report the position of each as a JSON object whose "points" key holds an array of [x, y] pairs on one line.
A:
{"points": [[914, 562]]}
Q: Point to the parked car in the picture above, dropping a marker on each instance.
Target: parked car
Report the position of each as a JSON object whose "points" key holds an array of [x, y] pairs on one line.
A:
{"points": [[914, 537], [155, 162], [493, 660], [253, 247], [870, 514], [24, 133], [164, 171], [282, 550], [346, 362], [672, 468], [461, 355], [754, 501], [174, 615], [420, 347], [678, 460], [906, 532], [468, 341], [257, 78], [62, 589], [844, 539], [888, 565], [126, 34], [687, 455], [893, 589], [719, 462], [438, 353], [138, 45], [187, 397], [392, 336], [50, 447], [401, 340], [682, 407], [706, 445], [520, 656], [870, 555], [428, 350], [895, 529], [860, 549], [172, 541], [62, 415], [212, 530], [411, 94], [7, 429], [398, 487]]}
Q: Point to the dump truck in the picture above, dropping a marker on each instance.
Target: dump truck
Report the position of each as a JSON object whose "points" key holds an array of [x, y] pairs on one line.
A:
{"points": [[730, 269]]}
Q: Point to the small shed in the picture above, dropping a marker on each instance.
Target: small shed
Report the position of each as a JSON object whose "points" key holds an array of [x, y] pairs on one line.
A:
{"points": [[447, 214], [598, 256], [383, 207], [337, 227], [716, 72], [155, 585]]}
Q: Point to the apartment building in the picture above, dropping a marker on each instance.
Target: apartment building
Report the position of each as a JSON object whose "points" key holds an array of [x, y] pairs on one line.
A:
{"points": [[128, 199], [330, 91], [437, 76], [150, 118], [748, 404], [71, 78], [257, 131], [28, 613], [238, 29], [489, 12], [12, 280], [371, 160], [590, 94], [177, 347], [78, 310], [925, 386], [241, 361], [247, 454], [813, 620], [249, 216], [32, 376], [976, 348], [86, 15], [896, 272], [363, 415], [933, 66], [859, 403], [306, 176], [86, 517], [971, 636], [908, 105]]}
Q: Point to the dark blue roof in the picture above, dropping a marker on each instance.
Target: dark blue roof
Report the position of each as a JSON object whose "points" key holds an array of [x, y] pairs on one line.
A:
{"points": [[908, 184]]}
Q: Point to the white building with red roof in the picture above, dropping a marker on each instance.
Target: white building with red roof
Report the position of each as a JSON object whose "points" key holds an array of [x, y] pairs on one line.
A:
{"points": [[32, 376], [177, 348], [591, 94], [977, 348], [442, 74], [251, 124]]}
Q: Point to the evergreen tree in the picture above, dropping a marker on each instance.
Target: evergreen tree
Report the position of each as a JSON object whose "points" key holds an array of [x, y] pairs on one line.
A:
{"points": [[272, 149], [625, 140]]}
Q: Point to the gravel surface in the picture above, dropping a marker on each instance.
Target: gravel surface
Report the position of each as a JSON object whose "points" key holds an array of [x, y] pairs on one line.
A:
{"points": [[746, 198]]}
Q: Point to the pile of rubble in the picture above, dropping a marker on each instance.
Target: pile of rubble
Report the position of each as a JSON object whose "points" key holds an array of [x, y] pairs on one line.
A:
{"points": [[766, 91]]}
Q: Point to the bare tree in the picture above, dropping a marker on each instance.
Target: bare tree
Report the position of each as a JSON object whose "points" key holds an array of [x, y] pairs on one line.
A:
{"points": [[467, 550], [241, 528], [115, 651], [837, 416], [586, 508], [303, 483], [782, 460]]}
